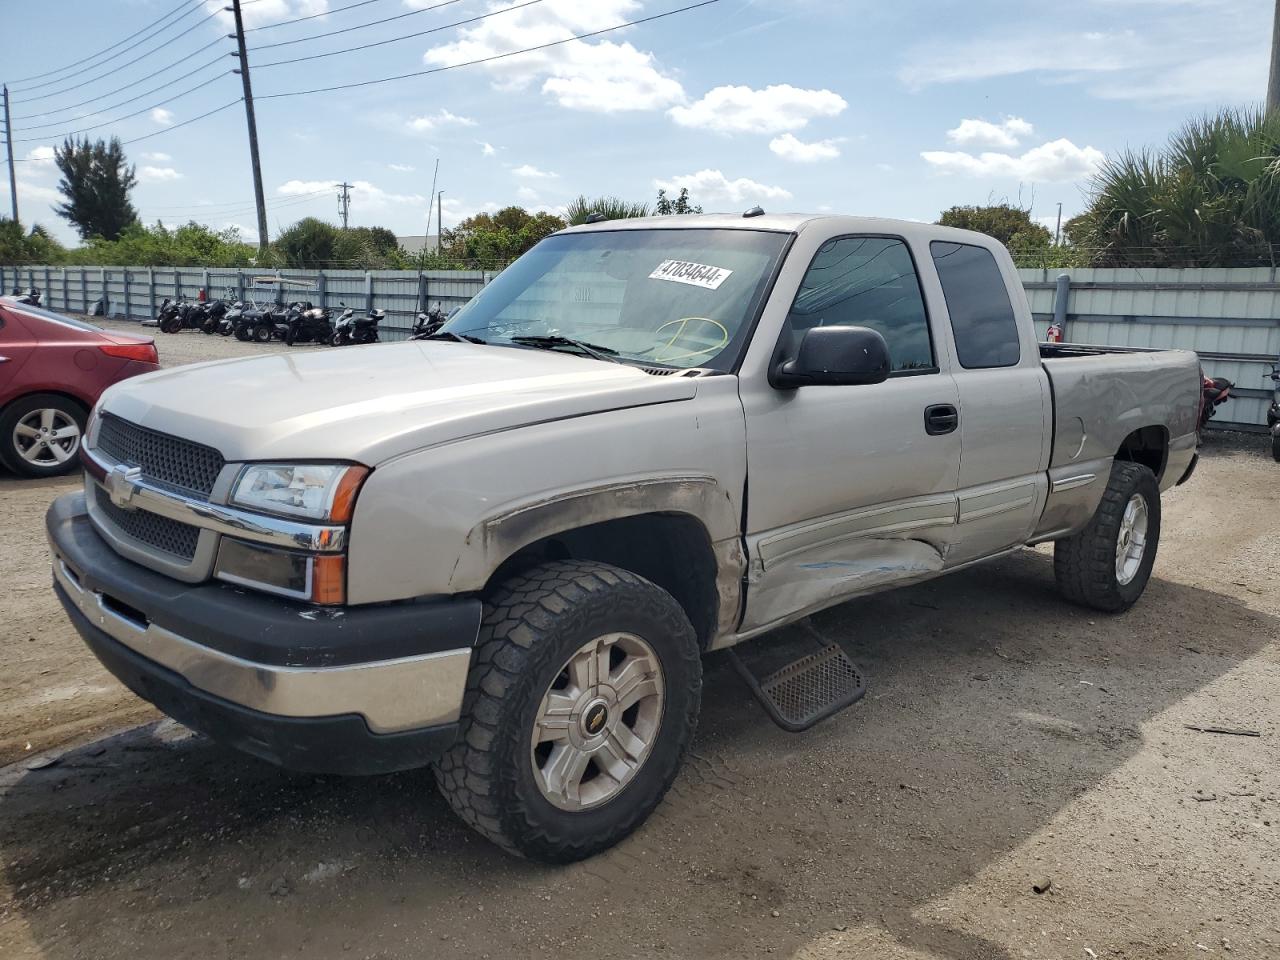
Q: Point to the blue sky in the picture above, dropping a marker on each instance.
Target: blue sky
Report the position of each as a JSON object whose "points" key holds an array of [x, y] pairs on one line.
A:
{"points": [[888, 108]]}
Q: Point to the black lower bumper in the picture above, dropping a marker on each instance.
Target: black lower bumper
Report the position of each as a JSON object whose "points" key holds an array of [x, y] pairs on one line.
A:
{"points": [[264, 631]]}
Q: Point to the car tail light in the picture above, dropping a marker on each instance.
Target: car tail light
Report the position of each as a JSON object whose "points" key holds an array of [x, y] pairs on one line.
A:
{"points": [[143, 350]]}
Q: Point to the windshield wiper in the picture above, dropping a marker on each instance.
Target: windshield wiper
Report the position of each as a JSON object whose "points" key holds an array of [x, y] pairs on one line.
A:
{"points": [[551, 341], [450, 335]]}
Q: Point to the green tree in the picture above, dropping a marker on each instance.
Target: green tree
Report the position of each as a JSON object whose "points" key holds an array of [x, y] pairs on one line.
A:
{"points": [[96, 181], [1001, 220], [37, 246], [666, 207], [490, 239], [1209, 198], [611, 208]]}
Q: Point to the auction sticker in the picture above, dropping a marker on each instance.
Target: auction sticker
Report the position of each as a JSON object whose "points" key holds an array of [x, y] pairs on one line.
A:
{"points": [[694, 274]]}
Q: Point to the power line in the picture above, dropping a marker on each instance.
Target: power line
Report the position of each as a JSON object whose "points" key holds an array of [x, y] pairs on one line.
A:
{"points": [[177, 126], [112, 70], [406, 36], [80, 61], [497, 56], [127, 116], [285, 23], [85, 116], [358, 26], [103, 96]]}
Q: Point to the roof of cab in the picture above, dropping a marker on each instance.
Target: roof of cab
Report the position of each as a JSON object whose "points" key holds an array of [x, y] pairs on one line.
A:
{"points": [[790, 223]]}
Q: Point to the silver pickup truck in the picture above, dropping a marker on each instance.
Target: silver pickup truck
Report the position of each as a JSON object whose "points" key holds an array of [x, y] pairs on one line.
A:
{"points": [[503, 550]]}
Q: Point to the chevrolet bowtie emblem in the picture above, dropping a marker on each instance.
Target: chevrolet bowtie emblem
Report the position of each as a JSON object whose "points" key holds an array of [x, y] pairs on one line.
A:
{"points": [[121, 484]]}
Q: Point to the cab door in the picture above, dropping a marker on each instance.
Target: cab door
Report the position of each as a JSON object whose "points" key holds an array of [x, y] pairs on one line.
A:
{"points": [[1005, 405], [849, 488]]}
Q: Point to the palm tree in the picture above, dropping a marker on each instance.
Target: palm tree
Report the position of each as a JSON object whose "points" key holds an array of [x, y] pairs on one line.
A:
{"points": [[612, 208], [1210, 198]]}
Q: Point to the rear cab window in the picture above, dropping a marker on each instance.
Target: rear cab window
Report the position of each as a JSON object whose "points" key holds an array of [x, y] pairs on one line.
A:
{"points": [[864, 281], [982, 318]]}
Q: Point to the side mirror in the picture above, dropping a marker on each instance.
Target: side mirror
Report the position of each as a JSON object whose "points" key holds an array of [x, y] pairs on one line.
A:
{"points": [[835, 356]]}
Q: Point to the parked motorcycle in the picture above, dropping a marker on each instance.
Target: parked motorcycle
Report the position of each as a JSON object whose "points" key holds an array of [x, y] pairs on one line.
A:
{"points": [[212, 315], [231, 319], [1215, 391], [1273, 412], [31, 297], [425, 324], [351, 329], [308, 324]]}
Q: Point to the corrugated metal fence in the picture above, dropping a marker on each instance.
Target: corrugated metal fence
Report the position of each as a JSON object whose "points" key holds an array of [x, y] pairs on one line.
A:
{"points": [[137, 292], [1231, 317]]}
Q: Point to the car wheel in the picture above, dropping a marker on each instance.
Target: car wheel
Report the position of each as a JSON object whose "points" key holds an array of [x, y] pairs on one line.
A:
{"points": [[261, 333], [581, 702], [1107, 564], [40, 435], [1275, 446]]}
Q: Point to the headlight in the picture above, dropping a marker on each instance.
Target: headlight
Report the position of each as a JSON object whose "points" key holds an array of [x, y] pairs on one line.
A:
{"points": [[314, 491]]}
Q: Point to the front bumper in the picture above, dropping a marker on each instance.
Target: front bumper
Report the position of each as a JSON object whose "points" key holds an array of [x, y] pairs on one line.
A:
{"points": [[345, 690]]}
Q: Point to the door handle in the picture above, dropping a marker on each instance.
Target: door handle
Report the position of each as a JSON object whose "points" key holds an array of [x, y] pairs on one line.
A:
{"points": [[940, 418]]}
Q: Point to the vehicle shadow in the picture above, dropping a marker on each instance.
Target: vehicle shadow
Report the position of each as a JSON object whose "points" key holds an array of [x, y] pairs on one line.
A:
{"points": [[965, 746]]}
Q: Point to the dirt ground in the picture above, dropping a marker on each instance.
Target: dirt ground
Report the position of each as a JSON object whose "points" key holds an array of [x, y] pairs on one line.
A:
{"points": [[1008, 738]]}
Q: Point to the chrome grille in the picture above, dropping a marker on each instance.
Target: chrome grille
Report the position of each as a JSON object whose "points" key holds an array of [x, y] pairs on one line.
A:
{"points": [[170, 536], [171, 461]]}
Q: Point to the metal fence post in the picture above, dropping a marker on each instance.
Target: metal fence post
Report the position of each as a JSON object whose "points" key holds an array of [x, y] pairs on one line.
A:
{"points": [[84, 290], [128, 307], [151, 291], [106, 294], [368, 290], [322, 290], [66, 295], [48, 283], [1060, 299], [204, 284]]}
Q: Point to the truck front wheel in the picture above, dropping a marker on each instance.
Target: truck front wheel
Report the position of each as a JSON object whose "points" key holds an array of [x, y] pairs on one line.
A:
{"points": [[581, 702], [1107, 564]]}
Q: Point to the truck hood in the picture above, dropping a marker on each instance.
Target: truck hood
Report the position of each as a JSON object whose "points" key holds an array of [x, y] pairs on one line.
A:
{"points": [[372, 403]]}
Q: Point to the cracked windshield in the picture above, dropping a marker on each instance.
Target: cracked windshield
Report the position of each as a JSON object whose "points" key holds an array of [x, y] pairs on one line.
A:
{"points": [[675, 298]]}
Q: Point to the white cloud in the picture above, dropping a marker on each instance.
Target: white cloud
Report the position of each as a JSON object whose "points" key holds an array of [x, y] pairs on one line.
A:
{"points": [[774, 109], [711, 188], [789, 147], [364, 195], [401, 167], [486, 149], [158, 174], [157, 157], [40, 157], [530, 172], [527, 194], [435, 121], [601, 76], [1057, 160], [162, 116], [1175, 55], [1005, 135]]}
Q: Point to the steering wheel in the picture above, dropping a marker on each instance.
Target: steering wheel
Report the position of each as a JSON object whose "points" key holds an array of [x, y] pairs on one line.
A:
{"points": [[706, 339]]}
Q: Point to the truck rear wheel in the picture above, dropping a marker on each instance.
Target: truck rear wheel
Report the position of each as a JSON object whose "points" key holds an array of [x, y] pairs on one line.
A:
{"points": [[1107, 564], [581, 702]]}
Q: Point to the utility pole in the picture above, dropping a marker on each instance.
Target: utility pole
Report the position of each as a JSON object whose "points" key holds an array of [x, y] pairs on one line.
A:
{"points": [[439, 220], [1057, 234], [344, 201], [1273, 88], [238, 36], [8, 142]]}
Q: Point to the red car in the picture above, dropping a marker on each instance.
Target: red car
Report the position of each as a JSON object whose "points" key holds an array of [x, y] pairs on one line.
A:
{"points": [[52, 370]]}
